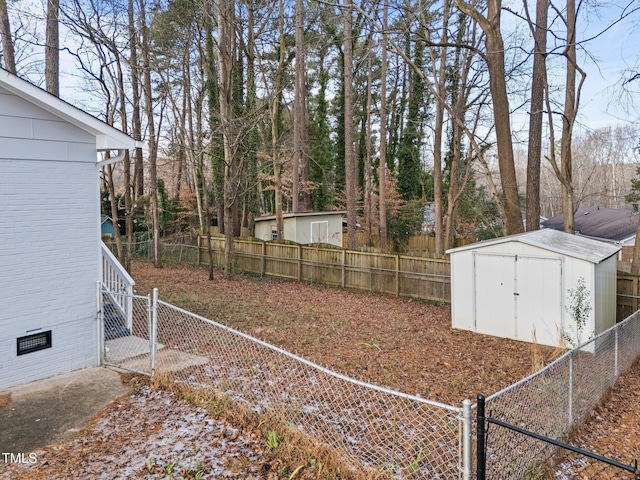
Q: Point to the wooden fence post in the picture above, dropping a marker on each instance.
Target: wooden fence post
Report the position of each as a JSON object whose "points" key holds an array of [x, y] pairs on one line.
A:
{"points": [[344, 264], [635, 293], [299, 262], [263, 260], [199, 243], [397, 275]]}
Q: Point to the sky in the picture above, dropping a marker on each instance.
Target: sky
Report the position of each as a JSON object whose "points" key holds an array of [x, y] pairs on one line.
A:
{"points": [[613, 55]]}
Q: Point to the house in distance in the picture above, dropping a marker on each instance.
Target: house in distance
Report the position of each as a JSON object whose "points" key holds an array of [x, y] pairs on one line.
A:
{"points": [[304, 228]]}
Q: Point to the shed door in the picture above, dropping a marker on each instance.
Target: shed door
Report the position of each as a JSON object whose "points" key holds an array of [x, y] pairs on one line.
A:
{"points": [[494, 278], [539, 300], [519, 297]]}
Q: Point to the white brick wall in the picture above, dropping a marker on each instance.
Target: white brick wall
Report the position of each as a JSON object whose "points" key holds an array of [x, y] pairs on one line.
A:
{"points": [[49, 241]]}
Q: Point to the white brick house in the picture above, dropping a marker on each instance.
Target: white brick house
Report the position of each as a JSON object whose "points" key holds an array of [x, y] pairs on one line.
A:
{"points": [[50, 248]]}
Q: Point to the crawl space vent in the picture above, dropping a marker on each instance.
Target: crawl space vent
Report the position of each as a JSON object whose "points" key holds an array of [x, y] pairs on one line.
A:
{"points": [[35, 342]]}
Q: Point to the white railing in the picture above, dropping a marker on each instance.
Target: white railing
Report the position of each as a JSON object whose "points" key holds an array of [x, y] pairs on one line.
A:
{"points": [[115, 279]]}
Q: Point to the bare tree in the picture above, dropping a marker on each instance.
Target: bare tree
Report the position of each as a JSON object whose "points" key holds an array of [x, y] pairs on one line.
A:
{"points": [[145, 46], [226, 41], [441, 78], [276, 101], [382, 167], [349, 157], [300, 158], [494, 56], [138, 177], [539, 31]]}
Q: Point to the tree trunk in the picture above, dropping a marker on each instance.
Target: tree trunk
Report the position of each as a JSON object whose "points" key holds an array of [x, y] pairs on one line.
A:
{"points": [[226, 23], [368, 182], [534, 154], [52, 52], [151, 131], [108, 172], [501, 114], [136, 123], [275, 131], [382, 167], [8, 51], [138, 175], [568, 119], [299, 124], [439, 127], [349, 157]]}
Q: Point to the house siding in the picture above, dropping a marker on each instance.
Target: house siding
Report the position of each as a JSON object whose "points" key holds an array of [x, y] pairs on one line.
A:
{"points": [[49, 234]]}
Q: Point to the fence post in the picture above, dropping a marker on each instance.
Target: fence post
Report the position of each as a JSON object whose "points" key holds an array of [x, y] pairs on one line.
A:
{"points": [[344, 265], [615, 367], [100, 308], [481, 452], [397, 275], [299, 275], [571, 388], [263, 259], [152, 333], [466, 439]]}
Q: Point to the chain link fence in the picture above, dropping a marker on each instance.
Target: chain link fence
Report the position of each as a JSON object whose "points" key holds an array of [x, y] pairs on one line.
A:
{"points": [[556, 399], [372, 427], [128, 332]]}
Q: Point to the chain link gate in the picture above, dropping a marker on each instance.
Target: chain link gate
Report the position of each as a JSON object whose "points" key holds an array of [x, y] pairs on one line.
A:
{"points": [[128, 331]]}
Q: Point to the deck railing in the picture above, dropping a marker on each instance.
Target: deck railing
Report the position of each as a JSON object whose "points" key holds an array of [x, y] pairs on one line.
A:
{"points": [[116, 280]]}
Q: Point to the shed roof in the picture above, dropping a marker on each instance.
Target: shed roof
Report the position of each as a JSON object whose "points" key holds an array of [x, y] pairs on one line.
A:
{"points": [[575, 246], [608, 224], [107, 137], [300, 214]]}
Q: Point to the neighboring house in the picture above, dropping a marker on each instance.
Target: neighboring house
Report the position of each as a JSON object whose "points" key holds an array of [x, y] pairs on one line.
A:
{"points": [[612, 225], [49, 276], [520, 286], [106, 227], [309, 227]]}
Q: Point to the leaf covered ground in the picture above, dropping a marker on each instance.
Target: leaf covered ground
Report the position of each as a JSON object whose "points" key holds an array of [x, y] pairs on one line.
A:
{"points": [[398, 343]]}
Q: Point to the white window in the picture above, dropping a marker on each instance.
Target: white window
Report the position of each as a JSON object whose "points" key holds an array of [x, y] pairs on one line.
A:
{"points": [[320, 232]]}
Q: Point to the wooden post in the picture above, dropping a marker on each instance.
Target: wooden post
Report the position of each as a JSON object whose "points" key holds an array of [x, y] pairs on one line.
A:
{"points": [[344, 264], [397, 275], [635, 293], [199, 242], [263, 260], [299, 262]]}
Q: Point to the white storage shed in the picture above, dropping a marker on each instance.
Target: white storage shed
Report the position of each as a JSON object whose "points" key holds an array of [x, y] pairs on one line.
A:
{"points": [[50, 246], [304, 227], [519, 286]]}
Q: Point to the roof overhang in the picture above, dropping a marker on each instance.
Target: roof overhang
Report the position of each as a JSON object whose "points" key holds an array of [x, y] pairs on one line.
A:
{"points": [[107, 137]]}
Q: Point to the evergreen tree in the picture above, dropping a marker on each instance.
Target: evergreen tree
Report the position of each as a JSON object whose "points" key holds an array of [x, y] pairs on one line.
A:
{"points": [[410, 172]]}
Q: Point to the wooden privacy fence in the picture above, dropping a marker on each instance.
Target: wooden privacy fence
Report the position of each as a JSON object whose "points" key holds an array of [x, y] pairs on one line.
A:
{"points": [[628, 294], [404, 276]]}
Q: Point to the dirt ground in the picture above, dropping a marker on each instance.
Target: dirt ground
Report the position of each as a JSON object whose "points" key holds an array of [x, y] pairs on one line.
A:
{"points": [[398, 343]]}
